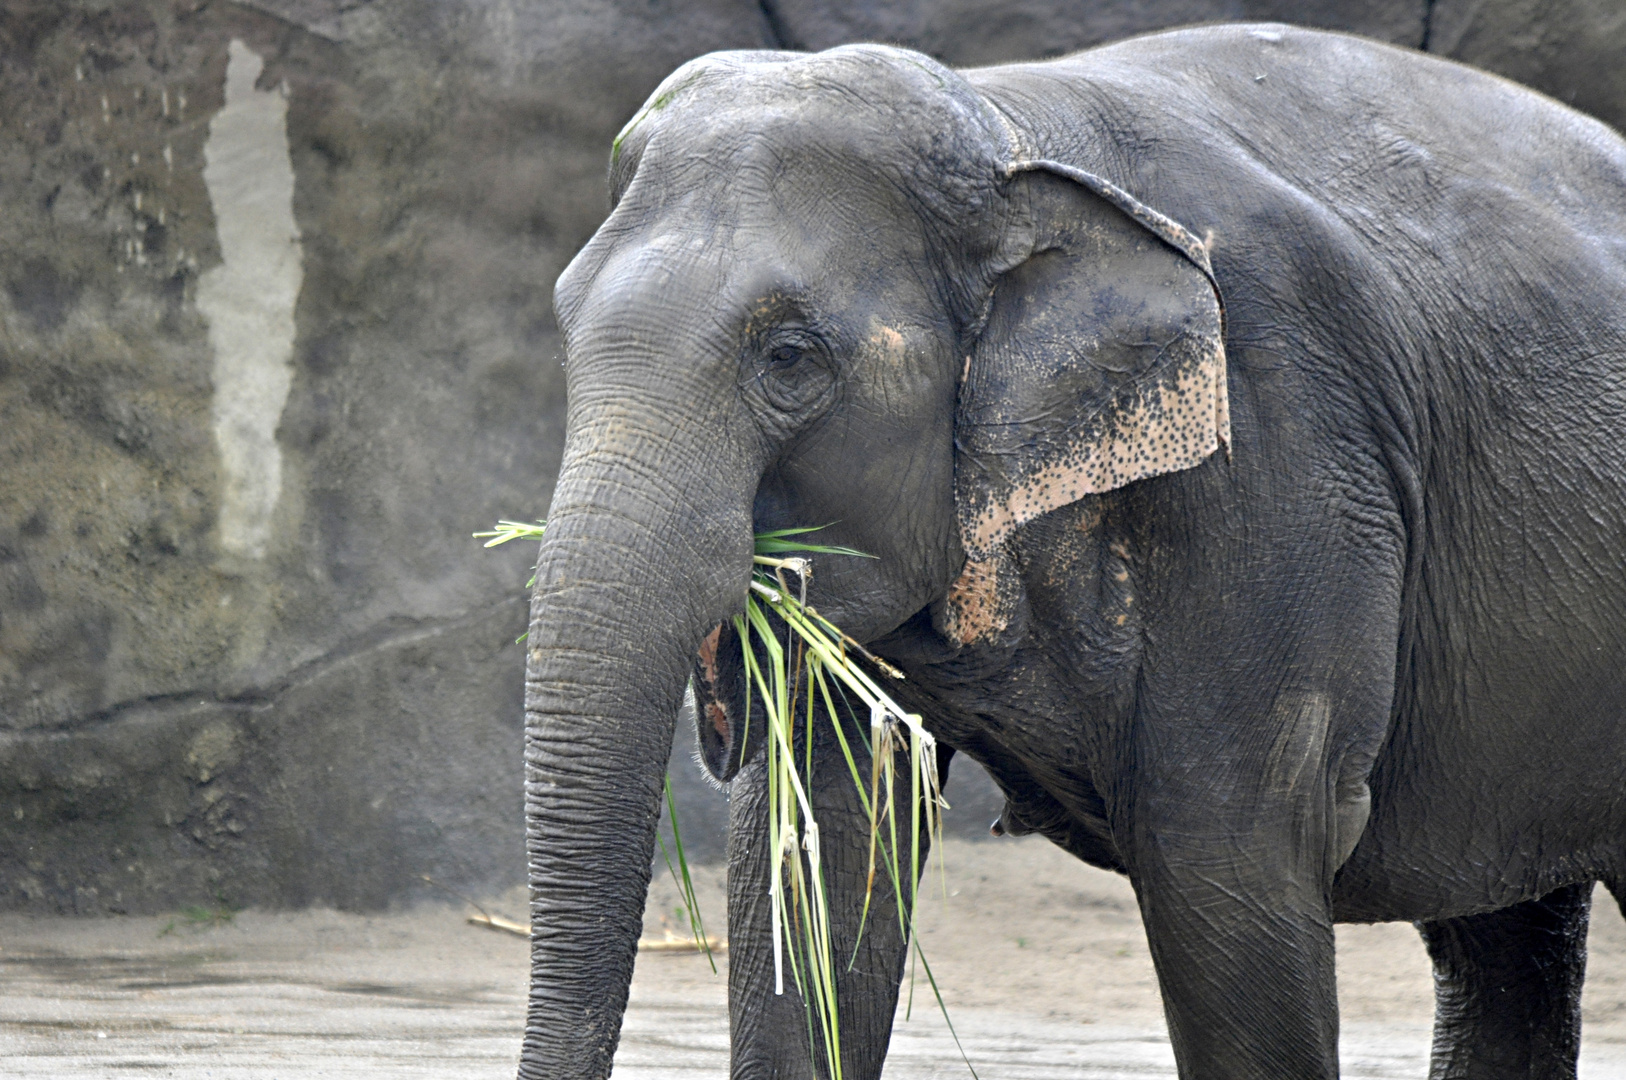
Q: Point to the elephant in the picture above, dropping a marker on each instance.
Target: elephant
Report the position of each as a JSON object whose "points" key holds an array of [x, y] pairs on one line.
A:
{"points": [[1234, 416]]}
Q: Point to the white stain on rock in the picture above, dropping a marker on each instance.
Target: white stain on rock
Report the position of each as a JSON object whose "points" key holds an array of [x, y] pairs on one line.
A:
{"points": [[249, 298]]}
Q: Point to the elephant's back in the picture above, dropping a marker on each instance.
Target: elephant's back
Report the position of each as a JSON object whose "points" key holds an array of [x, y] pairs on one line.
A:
{"points": [[1372, 132]]}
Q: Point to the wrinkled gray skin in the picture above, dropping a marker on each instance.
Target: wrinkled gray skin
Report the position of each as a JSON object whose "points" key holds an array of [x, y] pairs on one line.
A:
{"points": [[1364, 663]]}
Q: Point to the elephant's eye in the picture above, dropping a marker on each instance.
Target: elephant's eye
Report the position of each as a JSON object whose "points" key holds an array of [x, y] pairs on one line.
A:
{"points": [[784, 356], [793, 369]]}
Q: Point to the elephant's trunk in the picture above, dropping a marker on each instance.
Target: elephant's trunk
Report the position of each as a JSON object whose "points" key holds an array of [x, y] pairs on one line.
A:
{"points": [[632, 573]]}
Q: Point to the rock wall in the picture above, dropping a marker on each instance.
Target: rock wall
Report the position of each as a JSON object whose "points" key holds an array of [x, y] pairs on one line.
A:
{"points": [[275, 337]]}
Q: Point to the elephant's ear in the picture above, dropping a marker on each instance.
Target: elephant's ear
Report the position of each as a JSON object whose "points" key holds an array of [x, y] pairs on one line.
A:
{"points": [[1101, 361]]}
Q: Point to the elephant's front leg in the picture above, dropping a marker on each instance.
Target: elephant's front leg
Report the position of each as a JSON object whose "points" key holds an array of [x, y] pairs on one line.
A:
{"points": [[770, 1032], [1233, 856]]}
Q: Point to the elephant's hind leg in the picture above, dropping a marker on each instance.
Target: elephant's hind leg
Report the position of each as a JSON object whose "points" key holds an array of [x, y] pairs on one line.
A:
{"points": [[1507, 988]]}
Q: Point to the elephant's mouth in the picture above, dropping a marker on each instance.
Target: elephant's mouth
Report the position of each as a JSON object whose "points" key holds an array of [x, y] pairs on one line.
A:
{"points": [[720, 703], [708, 694]]}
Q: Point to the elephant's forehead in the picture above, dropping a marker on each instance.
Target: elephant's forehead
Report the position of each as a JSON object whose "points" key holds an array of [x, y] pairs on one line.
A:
{"points": [[736, 140], [879, 82], [763, 206], [887, 108]]}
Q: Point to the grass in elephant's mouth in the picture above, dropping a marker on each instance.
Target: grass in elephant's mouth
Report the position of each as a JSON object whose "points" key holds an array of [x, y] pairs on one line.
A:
{"points": [[796, 663]]}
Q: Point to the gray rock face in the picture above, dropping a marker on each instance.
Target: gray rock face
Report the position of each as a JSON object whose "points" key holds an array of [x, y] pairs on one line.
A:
{"points": [[276, 336]]}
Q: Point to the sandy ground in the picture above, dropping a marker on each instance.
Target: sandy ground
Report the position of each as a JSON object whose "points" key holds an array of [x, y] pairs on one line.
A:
{"points": [[1042, 961]]}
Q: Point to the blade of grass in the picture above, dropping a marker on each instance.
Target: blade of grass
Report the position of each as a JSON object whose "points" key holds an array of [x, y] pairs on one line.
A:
{"points": [[512, 530], [921, 953], [778, 542], [697, 923]]}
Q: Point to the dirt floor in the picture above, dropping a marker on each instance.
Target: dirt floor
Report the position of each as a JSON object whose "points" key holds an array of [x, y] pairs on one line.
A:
{"points": [[1042, 961]]}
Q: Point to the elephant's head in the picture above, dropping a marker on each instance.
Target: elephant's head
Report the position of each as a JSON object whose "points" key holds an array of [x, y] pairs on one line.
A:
{"points": [[833, 289]]}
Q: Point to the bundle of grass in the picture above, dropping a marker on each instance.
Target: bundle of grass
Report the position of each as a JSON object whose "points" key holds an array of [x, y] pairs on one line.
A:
{"points": [[813, 664]]}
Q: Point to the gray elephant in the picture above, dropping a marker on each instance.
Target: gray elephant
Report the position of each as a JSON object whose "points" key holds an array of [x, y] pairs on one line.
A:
{"points": [[1236, 414]]}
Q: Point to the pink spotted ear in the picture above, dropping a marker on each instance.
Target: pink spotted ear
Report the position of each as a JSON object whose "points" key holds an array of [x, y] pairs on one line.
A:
{"points": [[1101, 362]]}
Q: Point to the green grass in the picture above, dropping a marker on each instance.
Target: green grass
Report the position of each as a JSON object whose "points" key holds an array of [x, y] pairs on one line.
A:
{"points": [[792, 676]]}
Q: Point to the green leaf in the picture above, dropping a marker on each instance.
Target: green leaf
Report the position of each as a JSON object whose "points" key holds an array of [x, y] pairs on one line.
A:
{"points": [[779, 542], [512, 530]]}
